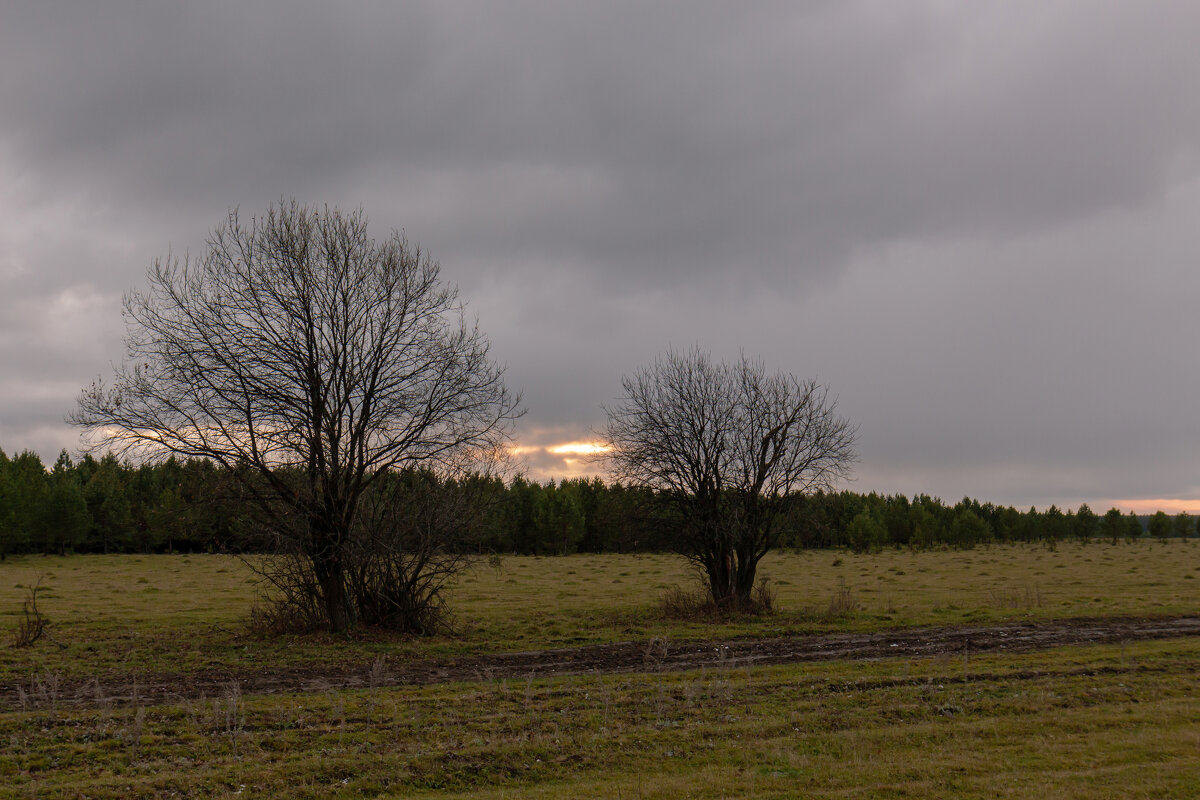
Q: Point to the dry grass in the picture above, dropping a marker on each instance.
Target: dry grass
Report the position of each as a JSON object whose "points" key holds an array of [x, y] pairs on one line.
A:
{"points": [[697, 604], [842, 603], [1079, 722], [154, 613], [1073, 722]]}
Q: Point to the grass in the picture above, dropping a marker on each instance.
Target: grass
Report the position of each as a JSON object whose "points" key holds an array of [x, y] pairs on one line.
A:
{"points": [[1070, 722], [149, 613], [1077, 722]]}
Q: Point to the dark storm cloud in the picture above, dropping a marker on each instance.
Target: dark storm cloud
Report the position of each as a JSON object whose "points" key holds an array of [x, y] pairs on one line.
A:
{"points": [[960, 215], [779, 138]]}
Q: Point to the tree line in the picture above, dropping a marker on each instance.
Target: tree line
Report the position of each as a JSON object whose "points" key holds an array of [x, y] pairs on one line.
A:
{"points": [[872, 521], [304, 389], [108, 505]]}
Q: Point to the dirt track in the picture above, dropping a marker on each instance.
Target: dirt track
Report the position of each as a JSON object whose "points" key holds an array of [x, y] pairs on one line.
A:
{"points": [[644, 656]]}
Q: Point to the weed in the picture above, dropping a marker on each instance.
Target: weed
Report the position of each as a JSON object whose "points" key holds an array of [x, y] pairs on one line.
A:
{"points": [[31, 625], [135, 732], [529, 688], [655, 653], [682, 604], [95, 692], [762, 599], [378, 674], [268, 620], [44, 691], [1028, 597], [842, 603], [232, 713]]}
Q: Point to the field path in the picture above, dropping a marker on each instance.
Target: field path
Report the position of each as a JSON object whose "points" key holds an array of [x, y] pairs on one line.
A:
{"points": [[656, 655]]}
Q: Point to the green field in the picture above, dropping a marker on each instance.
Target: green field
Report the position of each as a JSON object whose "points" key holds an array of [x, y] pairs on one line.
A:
{"points": [[1096, 721]]}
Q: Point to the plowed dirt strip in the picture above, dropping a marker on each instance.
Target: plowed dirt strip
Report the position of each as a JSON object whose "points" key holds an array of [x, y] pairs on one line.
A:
{"points": [[643, 656]]}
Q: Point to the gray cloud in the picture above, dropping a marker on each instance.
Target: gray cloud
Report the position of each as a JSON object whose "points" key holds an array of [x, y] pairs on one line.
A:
{"points": [[973, 221]]}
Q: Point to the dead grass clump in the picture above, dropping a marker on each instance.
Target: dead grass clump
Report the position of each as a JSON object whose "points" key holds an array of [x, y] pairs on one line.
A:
{"points": [[1030, 596], [697, 604], [44, 691], [843, 602], [272, 618], [681, 603], [378, 674], [384, 587]]}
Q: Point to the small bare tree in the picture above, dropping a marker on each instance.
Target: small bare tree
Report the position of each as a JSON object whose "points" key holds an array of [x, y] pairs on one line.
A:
{"points": [[727, 446], [313, 363], [32, 624]]}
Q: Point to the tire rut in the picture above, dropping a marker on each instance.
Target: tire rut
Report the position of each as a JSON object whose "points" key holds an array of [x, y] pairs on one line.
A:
{"points": [[655, 655]]}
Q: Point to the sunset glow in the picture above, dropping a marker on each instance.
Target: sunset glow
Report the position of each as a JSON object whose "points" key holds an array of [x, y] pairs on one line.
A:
{"points": [[1150, 505], [577, 449], [555, 461]]}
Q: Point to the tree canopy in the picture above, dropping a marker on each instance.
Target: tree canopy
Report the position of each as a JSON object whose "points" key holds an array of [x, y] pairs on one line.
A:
{"points": [[310, 360], [728, 445]]}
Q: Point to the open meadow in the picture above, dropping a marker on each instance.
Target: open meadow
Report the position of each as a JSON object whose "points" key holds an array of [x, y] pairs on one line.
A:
{"points": [[145, 684]]}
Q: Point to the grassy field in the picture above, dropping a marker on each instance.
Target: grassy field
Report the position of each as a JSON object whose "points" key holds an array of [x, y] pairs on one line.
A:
{"points": [[1115, 721], [155, 612]]}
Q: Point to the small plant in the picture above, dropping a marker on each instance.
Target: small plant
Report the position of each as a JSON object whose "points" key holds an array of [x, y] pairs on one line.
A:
{"points": [[137, 729], [842, 602], [32, 624], [232, 713], [378, 675], [1028, 597], [44, 691], [763, 597], [656, 651]]}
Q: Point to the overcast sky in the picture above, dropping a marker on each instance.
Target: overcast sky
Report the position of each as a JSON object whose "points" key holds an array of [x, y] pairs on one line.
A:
{"points": [[975, 222]]}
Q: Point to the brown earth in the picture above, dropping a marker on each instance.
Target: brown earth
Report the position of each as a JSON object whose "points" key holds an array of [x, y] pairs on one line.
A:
{"points": [[656, 655]]}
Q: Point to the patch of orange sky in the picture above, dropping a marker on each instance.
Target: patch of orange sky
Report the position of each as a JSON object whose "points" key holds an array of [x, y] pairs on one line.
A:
{"points": [[1149, 505], [564, 460], [578, 459]]}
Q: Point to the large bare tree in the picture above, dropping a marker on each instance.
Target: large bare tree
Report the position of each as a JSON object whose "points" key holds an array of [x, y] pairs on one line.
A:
{"points": [[727, 446], [313, 362]]}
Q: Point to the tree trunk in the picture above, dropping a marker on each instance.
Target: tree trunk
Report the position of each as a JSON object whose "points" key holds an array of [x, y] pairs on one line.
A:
{"points": [[720, 566], [744, 582], [331, 577]]}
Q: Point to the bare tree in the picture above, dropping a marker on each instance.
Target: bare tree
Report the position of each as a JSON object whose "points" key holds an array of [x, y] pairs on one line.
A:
{"points": [[312, 362], [727, 446]]}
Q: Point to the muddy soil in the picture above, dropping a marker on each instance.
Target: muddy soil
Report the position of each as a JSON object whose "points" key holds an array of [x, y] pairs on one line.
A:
{"points": [[657, 655]]}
